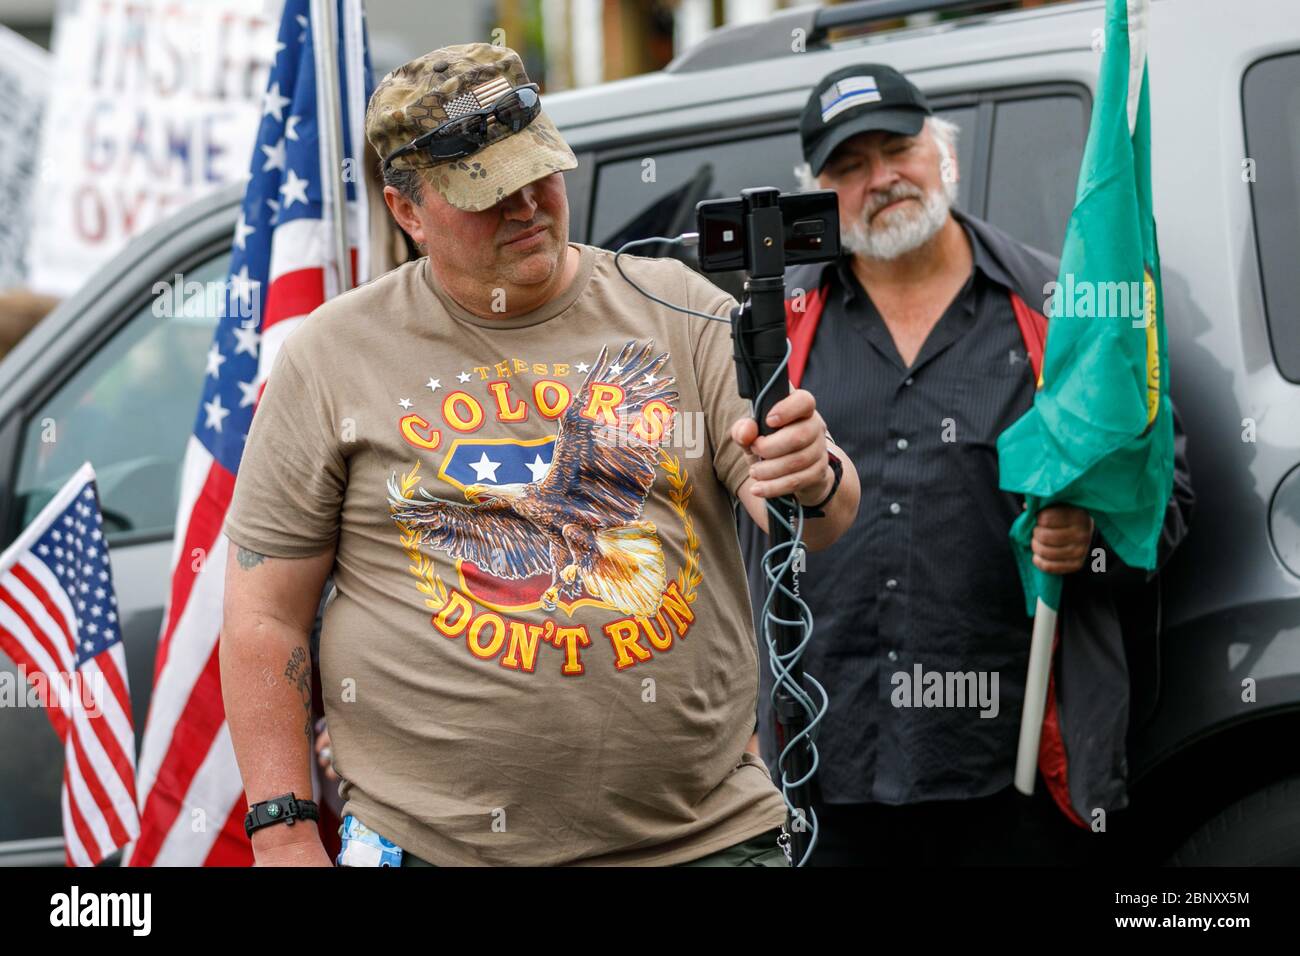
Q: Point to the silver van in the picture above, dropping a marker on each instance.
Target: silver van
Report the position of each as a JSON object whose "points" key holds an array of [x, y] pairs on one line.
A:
{"points": [[1214, 648]]}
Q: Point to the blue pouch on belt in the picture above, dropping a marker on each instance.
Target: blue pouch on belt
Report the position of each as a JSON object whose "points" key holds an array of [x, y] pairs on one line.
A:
{"points": [[362, 846]]}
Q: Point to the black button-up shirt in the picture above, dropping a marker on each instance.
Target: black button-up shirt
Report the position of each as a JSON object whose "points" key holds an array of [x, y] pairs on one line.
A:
{"points": [[925, 578]]}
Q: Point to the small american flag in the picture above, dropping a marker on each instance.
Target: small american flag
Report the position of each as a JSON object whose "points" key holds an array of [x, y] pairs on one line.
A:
{"points": [[58, 622], [478, 97], [191, 793]]}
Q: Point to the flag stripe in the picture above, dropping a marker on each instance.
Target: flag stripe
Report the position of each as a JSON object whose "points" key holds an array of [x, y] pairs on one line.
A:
{"points": [[113, 668], [217, 790], [49, 598], [191, 742], [304, 244], [104, 752], [198, 627], [22, 614], [112, 732], [56, 649], [194, 474], [36, 652], [90, 773], [201, 534], [293, 294], [101, 841], [79, 846]]}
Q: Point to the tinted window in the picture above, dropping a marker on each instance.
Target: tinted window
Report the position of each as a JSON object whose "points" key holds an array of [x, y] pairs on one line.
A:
{"points": [[128, 411], [654, 193], [1037, 148], [1271, 94]]}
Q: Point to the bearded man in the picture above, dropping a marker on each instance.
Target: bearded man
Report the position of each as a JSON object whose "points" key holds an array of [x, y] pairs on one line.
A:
{"points": [[921, 342]]}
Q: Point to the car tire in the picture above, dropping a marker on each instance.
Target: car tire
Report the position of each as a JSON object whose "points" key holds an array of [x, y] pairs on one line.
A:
{"points": [[1261, 829]]}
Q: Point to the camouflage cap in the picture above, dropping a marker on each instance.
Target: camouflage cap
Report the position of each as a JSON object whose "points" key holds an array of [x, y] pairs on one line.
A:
{"points": [[449, 82]]}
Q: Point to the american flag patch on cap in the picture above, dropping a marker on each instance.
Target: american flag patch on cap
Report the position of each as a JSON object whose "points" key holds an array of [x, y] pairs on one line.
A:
{"points": [[847, 93], [478, 97]]}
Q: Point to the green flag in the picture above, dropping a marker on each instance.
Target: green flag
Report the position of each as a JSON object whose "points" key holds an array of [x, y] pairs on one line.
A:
{"points": [[1100, 433]]}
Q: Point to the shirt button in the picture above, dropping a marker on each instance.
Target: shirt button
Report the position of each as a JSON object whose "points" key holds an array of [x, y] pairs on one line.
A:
{"points": [[891, 584], [892, 655], [902, 444], [895, 508]]}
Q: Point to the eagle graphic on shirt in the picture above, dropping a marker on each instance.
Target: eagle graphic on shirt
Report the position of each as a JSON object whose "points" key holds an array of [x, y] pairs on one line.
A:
{"points": [[581, 522]]}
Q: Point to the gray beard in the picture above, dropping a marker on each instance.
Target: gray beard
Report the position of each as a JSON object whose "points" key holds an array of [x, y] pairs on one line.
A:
{"points": [[906, 231]]}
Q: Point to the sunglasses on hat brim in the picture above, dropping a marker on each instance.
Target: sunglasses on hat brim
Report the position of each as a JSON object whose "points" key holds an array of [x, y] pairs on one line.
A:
{"points": [[467, 134]]}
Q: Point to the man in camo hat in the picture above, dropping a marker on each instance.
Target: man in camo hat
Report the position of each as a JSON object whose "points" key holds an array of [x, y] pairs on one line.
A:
{"points": [[519, 472], [417, 122]]}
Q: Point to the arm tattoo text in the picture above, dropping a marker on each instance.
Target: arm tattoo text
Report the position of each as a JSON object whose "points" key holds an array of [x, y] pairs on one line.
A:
{"points": [[297, 672]]}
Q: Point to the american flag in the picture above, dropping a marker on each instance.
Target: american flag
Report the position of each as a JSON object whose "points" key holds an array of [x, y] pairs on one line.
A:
{"points": [[191, 795], [58, 623]]}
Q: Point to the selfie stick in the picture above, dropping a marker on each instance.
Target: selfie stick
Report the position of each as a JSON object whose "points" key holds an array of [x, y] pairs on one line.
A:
{"points": [[761, 352]]}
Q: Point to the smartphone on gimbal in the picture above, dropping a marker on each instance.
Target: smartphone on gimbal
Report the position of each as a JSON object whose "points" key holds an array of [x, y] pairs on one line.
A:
{"points": [[811, 225]]}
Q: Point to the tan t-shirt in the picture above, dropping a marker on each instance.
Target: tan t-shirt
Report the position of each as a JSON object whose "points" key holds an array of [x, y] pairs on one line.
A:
{"points": [[541, 649]]}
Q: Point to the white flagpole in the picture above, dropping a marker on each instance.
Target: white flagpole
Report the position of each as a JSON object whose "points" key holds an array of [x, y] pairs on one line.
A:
{"points": [[1031, 716], [354, 59], [324, 31]]}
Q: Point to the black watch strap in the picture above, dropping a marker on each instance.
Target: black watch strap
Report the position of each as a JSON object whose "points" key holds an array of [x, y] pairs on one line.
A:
{"points": [[837, 468], [286, 809]]}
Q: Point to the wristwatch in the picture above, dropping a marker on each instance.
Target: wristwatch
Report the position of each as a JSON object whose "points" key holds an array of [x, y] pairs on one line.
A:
{"points": [[286, 809], [837, 468]]}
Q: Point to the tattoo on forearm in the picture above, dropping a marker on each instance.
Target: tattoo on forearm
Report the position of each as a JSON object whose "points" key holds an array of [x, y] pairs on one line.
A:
{"points": [[297, 672], [248, 559]]}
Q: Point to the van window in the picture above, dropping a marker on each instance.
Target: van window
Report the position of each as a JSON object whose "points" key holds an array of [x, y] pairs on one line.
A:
{"points": [[129, 411], [1271, 103], [1037, 148], [654, 193]]}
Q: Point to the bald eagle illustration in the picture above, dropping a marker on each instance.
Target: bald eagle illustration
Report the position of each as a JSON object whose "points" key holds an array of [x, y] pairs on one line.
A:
{"points": [[581, 521]]}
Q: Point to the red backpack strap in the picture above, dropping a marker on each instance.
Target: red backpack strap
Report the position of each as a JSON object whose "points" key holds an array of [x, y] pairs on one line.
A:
{"points": [[801, 327], [1033, 331]]}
